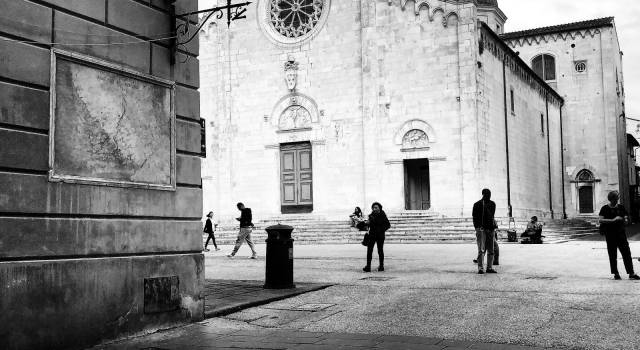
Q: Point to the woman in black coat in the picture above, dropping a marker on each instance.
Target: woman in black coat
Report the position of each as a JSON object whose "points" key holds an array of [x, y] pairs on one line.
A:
{"points": [[378, 225]]}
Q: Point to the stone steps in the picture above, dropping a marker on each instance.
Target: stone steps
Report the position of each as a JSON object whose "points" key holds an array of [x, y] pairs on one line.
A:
{"points": [[405, 228]]}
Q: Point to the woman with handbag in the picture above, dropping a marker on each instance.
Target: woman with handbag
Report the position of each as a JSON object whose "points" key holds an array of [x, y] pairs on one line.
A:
{"points": [[378, 225]]}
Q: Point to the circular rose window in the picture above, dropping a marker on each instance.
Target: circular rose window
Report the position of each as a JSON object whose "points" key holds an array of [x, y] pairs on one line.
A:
{"points": [[292, 22]]}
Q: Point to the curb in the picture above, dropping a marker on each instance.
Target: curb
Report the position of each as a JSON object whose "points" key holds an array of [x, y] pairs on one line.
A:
{"points": [[241, 306]]}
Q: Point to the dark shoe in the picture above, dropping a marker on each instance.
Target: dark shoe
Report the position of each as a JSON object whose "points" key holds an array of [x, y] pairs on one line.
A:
{"points": [[491, 271], [366, 269], [205, 250], [634, 277], [480, 272], [616, 277], [381, 268], [475, 261]]}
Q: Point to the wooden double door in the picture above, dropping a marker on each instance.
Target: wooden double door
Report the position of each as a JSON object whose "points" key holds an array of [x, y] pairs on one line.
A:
{"points": [[417, 191], [296, 178]]}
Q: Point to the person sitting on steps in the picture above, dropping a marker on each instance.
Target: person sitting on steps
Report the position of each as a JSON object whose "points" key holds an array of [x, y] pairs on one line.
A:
{"points": [[533, 233], [358, 220]]}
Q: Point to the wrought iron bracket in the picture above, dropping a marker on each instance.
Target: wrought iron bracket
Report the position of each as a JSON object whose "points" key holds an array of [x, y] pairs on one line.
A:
{"points": [[233, 12]]}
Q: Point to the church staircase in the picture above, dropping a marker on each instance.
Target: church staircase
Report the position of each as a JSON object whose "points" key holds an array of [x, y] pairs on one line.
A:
{"points": [[406, 227]]}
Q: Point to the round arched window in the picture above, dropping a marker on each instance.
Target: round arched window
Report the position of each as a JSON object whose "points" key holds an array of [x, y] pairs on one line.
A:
{"points": [[580, 66], [292, 21], [295, 18]]}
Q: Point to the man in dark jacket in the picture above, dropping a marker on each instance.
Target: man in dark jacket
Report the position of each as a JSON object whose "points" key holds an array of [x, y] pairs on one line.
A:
{"points": [[246, 227], [484, 212]]}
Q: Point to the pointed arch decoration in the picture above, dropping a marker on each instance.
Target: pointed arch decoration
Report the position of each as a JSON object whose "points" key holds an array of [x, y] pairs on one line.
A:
{"points": [[431, 10]]}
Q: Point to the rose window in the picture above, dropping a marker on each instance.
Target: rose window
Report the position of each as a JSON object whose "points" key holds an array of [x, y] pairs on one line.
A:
{"points": [[295, 18]]}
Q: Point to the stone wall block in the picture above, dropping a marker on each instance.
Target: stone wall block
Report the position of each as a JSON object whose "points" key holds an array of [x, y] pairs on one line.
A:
{"points": [[33, 237], [188, 170], [24, 106], [188, 136], [94, 9], [69, 29], [187, 70], [187, 102], [140, 19], [161, 62], [13, 64], [24, 150], [26, 20], [82, 301], [35, 194]]}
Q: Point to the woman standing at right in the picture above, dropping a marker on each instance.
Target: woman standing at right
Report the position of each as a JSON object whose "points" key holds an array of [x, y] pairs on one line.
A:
{"points": [[378, 225], [613, 217]]}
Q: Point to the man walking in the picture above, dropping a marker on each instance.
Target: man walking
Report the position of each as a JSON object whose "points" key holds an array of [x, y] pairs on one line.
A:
{"points": [[483, 220], [246, 227], [613, 216]]}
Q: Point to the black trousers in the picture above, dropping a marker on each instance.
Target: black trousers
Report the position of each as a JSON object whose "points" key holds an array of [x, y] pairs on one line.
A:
{"points": [[619, 241], [380, 242], [213, 238]]}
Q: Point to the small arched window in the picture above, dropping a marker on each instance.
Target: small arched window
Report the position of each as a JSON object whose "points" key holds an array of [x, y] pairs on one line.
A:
{"points": [[545, 66]]}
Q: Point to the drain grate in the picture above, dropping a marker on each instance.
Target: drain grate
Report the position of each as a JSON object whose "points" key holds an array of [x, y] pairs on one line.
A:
{"points": [[377, 279], [543, 278]]}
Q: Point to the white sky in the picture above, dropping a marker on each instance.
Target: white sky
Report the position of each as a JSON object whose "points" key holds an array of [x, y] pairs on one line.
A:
{"points": [[527, 14]]}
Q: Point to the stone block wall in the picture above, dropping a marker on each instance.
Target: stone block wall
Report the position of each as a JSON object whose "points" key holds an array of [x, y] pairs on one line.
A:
{"points": [[417, 71], [594, 132], [372, 69], [533, 128], [243, 77], [73, 257]]}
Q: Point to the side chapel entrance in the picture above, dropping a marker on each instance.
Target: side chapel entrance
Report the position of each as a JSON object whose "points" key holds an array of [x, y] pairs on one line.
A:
{"points": [[417, 194], [296, 178]]}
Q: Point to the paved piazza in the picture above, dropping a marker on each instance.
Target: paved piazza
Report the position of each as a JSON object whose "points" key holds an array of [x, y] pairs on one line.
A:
{"points": [[545, 296]]}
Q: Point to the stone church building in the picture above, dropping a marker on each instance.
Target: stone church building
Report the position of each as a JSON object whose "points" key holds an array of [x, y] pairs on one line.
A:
{"points": [[318, 106]]}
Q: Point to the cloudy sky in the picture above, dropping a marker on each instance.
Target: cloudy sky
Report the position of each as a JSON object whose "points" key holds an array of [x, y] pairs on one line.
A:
{"points": [[526, 14]]}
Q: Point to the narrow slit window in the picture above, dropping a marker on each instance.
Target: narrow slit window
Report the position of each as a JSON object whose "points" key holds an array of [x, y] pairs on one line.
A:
{"points": [[513, 103], [542, 124]]}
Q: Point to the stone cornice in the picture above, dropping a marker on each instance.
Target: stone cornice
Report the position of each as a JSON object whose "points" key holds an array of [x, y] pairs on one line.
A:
{"points": [[546, 38]]}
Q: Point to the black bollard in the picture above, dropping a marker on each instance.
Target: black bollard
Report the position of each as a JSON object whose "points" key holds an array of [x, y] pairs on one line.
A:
{"points": [[279, 261]]}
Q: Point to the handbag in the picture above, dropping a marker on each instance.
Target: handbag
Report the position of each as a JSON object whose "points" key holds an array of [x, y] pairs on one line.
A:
{"points": [[366, 239]]}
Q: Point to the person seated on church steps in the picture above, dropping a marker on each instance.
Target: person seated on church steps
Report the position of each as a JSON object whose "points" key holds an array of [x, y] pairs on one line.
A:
{"points": [[533, 231], [613, 217], [357, 219]]}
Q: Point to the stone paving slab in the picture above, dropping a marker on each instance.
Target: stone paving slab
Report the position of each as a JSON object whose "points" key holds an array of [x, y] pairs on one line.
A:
{"points": [[223, 297], [198, 336]]}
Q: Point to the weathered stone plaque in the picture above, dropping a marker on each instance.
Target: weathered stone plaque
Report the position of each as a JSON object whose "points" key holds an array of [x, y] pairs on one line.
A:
{"points": [[110, 125]]}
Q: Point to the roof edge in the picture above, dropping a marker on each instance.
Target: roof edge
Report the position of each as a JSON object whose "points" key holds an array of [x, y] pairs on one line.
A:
{"points": [[588, 24], [514, 56]]}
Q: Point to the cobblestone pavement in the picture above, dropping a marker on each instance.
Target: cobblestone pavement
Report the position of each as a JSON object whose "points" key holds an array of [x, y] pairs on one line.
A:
{"points": [[223, 297], [222, 334], [558, 296]]}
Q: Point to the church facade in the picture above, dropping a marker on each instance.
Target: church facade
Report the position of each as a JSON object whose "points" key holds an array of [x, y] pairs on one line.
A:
{"points": [[317, 106]]}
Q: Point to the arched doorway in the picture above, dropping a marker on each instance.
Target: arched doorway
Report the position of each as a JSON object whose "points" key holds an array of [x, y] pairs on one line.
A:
{"points": [[585, 182]]}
